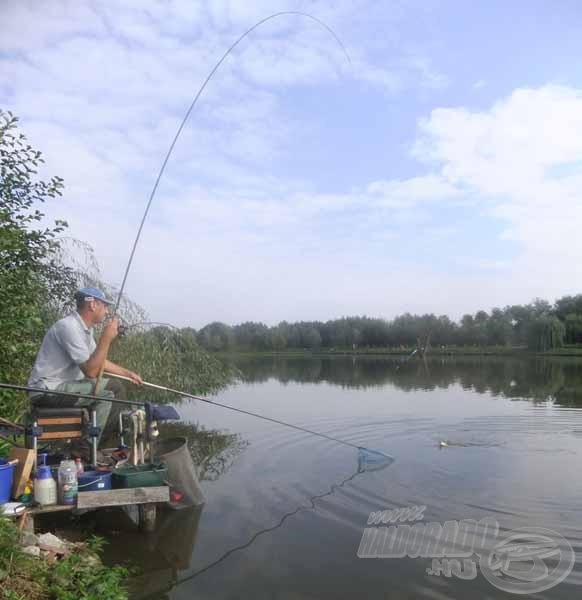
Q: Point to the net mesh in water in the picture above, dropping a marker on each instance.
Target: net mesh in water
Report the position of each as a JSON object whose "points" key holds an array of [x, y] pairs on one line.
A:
{"points": [[372, 460], [182, 475]]}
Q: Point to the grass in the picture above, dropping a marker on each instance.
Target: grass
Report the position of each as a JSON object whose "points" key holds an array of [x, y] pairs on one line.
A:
{"points": [[566, 350], [78, 576]]}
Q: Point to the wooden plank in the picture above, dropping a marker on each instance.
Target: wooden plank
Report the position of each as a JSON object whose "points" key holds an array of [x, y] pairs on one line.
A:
{"points": [[43, 510], [43, 421], [22, 470], [143, 495], [60, 435]]}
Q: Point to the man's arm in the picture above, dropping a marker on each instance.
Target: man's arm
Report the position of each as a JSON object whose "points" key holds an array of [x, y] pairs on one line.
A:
{"points": [[98, 359], [93, 365], [111, 367]]}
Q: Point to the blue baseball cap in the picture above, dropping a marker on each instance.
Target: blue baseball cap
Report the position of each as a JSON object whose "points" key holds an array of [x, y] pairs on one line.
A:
{"points": [[91, 293]]}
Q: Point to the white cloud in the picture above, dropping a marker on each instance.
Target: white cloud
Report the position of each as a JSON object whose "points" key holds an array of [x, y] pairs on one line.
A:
{"points": [[411, 192], [101, 89], [509, 157]]}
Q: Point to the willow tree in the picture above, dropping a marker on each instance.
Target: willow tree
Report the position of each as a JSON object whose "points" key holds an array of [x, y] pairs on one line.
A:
{"points": [[546, 333]]}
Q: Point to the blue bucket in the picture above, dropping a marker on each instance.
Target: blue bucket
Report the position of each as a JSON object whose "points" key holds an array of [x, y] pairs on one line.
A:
{"points": [[94, 481], [6, 477]]}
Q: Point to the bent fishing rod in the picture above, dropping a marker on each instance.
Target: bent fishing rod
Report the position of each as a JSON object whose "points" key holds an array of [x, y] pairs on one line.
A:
{"points": [[182, 125], [24, 388]]}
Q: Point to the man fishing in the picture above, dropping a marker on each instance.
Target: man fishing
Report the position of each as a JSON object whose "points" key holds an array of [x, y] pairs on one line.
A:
{"points": [[69, 360]]}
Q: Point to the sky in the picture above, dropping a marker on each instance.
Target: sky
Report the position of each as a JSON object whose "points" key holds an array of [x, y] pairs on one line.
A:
{"points": [[439, 169]]}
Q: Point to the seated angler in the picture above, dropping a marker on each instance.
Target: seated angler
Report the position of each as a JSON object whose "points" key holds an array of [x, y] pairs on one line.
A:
{"points": [[69, 360]]}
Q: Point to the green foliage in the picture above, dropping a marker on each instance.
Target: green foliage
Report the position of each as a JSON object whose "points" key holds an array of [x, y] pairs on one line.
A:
{"points": [[216, 336], [546, 333], [171, 357], [573, 324], [568, 305], [249, 335], [30, 275], [78, 576], [75, 577], [8, 541]]}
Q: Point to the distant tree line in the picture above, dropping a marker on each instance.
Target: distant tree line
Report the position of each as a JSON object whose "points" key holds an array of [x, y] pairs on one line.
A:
{"points": [[539, 326]]}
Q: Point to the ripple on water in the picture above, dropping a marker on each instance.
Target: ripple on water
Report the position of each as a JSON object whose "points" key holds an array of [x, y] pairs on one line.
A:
{"points": [[303, 496]]}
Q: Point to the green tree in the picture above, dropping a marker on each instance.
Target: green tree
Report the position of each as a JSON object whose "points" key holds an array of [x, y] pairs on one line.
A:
{"points": [[31, 277], [545, 333], [216, 336], [499, 328], [171, 357], [573, 324], [277, 339], [568, 305]]}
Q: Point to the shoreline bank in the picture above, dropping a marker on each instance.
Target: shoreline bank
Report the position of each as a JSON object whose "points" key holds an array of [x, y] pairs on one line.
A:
{"points": [[406, 352]]}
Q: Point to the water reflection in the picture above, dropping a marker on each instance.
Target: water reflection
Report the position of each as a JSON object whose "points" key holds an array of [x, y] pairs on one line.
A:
{"points": [[285, 519], [212, 451], [161, 555], [554, 379], [310, 505], [168, 551]]}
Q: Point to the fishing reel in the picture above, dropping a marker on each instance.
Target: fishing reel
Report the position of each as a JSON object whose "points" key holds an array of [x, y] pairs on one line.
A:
{"points": [[122, 330]]}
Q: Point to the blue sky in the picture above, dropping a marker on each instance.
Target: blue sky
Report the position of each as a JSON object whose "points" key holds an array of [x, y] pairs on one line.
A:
{"points": [[440, 173]]}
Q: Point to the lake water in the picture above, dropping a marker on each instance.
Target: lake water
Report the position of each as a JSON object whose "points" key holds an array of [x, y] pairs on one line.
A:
{"points": [[286, 511]]}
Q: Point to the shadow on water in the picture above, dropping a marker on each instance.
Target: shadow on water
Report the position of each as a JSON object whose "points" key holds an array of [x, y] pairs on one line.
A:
{"points": [[166, 552], [556, 379], [161, 555]]}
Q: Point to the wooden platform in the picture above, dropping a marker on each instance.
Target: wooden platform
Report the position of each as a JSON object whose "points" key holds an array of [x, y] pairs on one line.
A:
{"points": [[141, 495], [147, 498]]}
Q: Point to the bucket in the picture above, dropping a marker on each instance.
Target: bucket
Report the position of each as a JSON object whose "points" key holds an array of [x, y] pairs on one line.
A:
{"points": [[94, 481], [181, 471], [6, 476]]}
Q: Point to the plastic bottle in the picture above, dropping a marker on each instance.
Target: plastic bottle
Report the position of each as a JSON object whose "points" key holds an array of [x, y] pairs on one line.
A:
{"points": [[45, 487], [26, 496], [68, 484], [79, 466]]}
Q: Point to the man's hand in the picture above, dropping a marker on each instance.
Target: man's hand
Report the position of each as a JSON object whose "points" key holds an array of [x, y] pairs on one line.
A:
{"points": [[135, 378], [111, 330]]}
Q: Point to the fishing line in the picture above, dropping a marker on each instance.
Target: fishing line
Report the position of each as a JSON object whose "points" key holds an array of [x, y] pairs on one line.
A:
{"points": [[189, 111], [367, 459], [254, 537], [181, 127]]}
